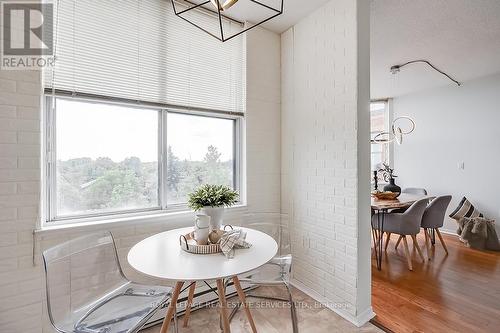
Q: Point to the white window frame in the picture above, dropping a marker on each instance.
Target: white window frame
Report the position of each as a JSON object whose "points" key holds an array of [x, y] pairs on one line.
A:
{"points": [[388, 122], [49, 217]]}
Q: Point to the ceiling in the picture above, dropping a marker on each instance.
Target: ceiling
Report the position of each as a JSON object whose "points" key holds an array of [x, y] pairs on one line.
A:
{"points": [[294, 11], [460, 37]]}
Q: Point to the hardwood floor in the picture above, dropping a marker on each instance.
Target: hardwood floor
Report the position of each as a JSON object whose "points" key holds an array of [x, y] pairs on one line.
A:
{"points": [[455, 293], [272, 317]]}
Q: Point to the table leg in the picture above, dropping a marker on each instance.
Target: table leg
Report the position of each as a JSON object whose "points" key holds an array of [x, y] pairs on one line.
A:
{"points": [[380, 240], [374, 236], [172, 307], [189, 303], [223, 306], [241, 295]]}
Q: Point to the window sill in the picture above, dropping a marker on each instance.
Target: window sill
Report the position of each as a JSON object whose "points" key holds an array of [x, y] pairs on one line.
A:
{"points": [[178, 218]]}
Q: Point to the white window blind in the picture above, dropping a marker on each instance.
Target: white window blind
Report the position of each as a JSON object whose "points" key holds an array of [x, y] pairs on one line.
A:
{"points": [[139, 50]]}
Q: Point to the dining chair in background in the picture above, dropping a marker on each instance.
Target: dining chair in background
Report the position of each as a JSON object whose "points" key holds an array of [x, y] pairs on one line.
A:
{"points": [[405, 224], [87, 291], [277, 271], [410, 190], [415, 190], [433, 219]]}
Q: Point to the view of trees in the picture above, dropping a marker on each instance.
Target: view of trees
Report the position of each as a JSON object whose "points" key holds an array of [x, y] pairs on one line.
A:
{"points": [[86, 185]]}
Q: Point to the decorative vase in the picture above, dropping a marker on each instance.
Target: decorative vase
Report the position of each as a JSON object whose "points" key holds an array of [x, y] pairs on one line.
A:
{"points": [[216, 214], [392, 187]]}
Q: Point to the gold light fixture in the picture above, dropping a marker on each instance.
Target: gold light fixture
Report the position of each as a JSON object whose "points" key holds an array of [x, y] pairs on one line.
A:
{"points": [[228, 4]]}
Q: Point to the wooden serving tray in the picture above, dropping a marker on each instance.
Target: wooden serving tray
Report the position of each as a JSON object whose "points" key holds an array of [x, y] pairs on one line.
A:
{"points": [[188, 244]]}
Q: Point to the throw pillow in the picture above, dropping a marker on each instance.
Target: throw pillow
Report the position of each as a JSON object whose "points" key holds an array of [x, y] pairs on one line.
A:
{"points": [[465, 209]]}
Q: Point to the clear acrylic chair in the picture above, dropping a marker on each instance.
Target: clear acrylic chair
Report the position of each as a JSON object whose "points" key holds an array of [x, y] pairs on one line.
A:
{"points": [[277, 271], [88, 293]]}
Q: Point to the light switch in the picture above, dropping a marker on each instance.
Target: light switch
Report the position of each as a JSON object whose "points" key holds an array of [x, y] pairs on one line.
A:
{"points": [[461, 165]]}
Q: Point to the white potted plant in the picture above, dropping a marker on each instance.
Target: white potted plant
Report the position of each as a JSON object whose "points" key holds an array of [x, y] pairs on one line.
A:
{"points": [[211, 200]]}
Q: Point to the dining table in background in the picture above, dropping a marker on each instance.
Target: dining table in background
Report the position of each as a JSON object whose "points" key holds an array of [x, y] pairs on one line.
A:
{"points": [[382, 207], [160, 256]]}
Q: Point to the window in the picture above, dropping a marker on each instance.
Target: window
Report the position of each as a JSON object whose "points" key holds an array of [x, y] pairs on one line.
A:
{"points": [[200, 151], [379, 113], [139, 111], [106, 158]]}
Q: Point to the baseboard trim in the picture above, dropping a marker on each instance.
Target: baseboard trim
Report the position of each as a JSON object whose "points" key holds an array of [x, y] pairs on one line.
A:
{"points": [[448, 232], [358, 320]]}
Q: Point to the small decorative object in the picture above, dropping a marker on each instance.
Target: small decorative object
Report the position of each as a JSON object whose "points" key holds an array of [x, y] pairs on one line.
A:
{"points": [[225, 19], [215, 236], [201, 231], [375, 180], [210, 200], [385, 195], [389, 176], [189, 244], [234, 239]]}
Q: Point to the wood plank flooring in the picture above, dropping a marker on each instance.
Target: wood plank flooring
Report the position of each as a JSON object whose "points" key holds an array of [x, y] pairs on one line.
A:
{"points": [[274, 317], [455, 293]]}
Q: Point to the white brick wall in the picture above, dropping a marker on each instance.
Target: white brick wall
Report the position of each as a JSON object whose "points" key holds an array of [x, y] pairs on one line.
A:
{"points": [[21, 283], [320, 154]]}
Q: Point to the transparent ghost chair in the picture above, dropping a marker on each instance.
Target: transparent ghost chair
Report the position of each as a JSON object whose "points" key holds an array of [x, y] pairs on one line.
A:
{"points": [[277, 271], [88, 293]]}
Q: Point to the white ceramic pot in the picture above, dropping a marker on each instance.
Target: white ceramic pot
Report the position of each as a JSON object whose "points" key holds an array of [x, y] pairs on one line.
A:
{"points": [[216, 214]]}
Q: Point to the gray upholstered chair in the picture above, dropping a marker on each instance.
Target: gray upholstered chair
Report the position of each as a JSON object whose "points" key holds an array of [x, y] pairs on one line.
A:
{"points": [[405, 224], [415, 190], [433, 219], [88, 293]]}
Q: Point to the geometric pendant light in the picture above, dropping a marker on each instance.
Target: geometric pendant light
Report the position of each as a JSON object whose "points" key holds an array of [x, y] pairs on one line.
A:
{"points": [[226, 19]]}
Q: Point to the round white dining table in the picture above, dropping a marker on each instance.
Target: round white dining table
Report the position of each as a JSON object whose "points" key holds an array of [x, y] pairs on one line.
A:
{"points": [[160, 256]]}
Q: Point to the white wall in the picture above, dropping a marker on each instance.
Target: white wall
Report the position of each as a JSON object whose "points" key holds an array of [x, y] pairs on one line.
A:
{"points": [[21, 283], [325, 136], [454, 125]]}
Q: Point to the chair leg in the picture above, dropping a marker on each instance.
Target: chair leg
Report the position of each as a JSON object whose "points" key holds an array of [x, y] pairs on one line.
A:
{"points": [[293, 310], [399, 241], [427, 245], [407, 253], [441, 240], [387, 241], [415, 243]]}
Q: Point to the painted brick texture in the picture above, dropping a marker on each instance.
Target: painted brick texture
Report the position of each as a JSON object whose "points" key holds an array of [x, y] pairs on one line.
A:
{"points": [[20, 282], [319, 150]]}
